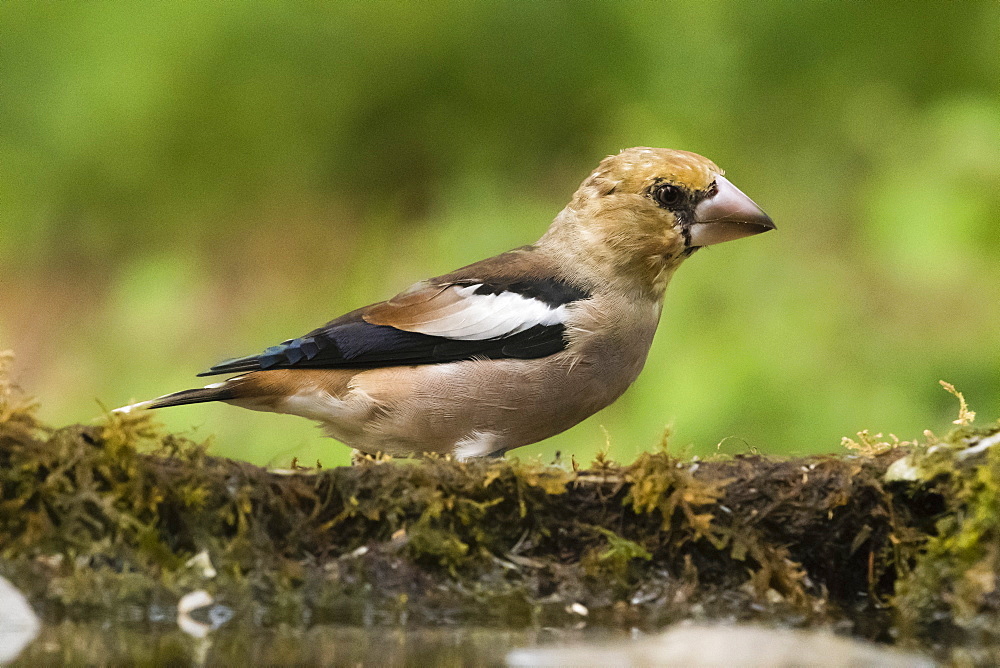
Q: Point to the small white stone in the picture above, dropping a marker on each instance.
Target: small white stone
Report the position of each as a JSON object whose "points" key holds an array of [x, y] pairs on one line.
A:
{"points": [[18, 623], [204, 562], [902, 470]]}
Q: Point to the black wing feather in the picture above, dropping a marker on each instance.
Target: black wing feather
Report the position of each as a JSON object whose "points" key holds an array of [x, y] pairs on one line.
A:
{"points": [[361, 345], [351, 342]]}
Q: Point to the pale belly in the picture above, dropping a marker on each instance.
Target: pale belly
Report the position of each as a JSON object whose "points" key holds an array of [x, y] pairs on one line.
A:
{"points": [[468, 409]]}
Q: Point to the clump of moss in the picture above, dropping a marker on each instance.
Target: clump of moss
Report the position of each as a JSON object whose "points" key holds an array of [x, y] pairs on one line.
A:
{"points": [[953, 588]]}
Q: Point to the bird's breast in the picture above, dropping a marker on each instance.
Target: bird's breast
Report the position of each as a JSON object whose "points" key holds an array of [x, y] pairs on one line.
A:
{"points": [[613, 334]]}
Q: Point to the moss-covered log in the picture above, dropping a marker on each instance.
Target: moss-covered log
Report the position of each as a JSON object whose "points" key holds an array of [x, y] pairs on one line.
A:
{"points": [[897, 542]]}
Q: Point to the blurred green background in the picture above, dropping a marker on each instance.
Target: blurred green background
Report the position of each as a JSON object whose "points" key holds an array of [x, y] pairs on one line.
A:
{"points": [[185, 182]]}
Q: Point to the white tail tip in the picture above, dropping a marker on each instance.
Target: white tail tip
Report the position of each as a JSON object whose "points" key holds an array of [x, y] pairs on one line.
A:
{"points": [[131, 407]]}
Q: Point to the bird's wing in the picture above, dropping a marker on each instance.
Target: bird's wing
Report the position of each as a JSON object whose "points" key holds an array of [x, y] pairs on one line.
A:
{"points": [[442, 320]]}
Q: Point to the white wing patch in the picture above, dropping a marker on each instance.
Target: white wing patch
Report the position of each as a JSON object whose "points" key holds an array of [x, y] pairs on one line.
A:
{"points": [[490, 316]]}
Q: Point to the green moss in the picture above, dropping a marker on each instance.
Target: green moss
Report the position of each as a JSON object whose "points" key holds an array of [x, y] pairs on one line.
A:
{"points": [[952, 587], [667, 486]]}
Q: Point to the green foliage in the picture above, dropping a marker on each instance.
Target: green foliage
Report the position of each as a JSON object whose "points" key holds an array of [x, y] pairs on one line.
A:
{"points": [[198, 181]]}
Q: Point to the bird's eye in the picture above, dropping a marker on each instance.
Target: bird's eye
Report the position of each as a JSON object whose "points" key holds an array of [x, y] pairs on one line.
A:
{"points": [[668, 196]]}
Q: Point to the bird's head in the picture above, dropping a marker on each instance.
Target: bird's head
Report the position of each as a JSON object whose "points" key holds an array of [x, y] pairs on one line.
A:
{"points": [[644, 210]]}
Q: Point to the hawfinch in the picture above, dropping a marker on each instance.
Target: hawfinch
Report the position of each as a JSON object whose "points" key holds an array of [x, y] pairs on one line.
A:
{"points": [[513, 349]]}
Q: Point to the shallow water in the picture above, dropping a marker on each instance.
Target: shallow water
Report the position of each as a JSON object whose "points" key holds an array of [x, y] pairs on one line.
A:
{"points": [[102, 644]]}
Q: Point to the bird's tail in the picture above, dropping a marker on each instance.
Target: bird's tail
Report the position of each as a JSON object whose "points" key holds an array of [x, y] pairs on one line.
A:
{"points": [[214, 392]]}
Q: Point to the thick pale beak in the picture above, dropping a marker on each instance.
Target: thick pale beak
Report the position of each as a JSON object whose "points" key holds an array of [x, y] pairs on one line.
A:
{"points": [[727, 215]]}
